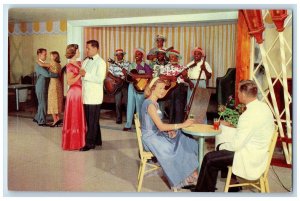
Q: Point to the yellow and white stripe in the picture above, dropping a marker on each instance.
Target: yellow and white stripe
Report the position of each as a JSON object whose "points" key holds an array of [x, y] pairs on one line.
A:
{"points": [[49, 27]]}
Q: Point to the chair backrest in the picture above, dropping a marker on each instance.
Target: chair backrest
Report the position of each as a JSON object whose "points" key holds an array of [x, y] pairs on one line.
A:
{"points": [[271, 151], [138, 133]]}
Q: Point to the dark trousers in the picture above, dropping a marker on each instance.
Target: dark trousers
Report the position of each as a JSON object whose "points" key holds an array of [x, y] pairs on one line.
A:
{"points": [[118, 99], [92, 116], [177, 103], [211, 164]]}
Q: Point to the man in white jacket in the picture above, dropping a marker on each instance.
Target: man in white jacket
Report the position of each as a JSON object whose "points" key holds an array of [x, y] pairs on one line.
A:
{"points": [[93, 74], [247, 151]]}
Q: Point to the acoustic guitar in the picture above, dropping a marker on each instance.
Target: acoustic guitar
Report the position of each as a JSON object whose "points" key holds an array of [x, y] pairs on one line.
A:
{"points": [[138, 83], [112, 83], [172, 83]]}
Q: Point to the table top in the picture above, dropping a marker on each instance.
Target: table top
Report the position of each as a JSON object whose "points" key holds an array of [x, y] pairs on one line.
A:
{"points": [[202, 130], [20, 86]]}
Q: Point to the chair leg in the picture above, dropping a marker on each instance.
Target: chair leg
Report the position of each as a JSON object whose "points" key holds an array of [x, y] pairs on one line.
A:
{"points": [[141, 175], [228, 179], [267, 187], [262, 185]]}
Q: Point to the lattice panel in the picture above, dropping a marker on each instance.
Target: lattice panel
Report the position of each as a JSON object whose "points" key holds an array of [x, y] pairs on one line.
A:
{"points": [[276, 59]]}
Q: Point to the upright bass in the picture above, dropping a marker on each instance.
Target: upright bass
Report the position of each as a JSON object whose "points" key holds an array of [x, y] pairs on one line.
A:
{"points": [[188, 108]]}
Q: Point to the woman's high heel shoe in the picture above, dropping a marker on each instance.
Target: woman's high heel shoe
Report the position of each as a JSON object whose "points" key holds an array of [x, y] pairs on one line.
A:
{"points": [[56, 123]]}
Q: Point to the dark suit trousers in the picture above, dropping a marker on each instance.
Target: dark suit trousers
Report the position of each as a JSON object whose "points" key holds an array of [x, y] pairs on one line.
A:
{"points": [[177, 103], [118, 99], [92, 116], [211, 164]]}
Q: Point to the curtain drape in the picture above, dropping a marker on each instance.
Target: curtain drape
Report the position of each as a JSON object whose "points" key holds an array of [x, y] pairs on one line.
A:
{"points": [[218, 42]]}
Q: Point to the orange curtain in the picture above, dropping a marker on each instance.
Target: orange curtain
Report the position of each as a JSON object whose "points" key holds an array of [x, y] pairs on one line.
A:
{"points": [[242, 52]]}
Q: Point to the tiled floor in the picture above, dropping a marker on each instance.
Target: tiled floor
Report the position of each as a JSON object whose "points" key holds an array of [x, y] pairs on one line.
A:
{"points": [[36, 162]]}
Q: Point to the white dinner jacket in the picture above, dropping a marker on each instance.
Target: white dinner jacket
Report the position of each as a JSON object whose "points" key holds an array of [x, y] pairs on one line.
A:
{"points": [[254, 133], [92, 82]]}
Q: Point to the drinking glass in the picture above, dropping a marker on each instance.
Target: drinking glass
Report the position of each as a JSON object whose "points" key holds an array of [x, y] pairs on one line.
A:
{"points": [[191, 116], [216, 123]]}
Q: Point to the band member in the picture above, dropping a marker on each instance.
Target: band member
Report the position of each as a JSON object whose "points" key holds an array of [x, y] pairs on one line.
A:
{"points": [[176, 72], [151, 57], [136, 99], [159, 66], [193, 73], [117, 71], [93, 74], [159, 41], [160, 62]]}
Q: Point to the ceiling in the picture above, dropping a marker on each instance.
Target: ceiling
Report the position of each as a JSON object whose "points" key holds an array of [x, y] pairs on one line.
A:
{"points": [[43, 14]]}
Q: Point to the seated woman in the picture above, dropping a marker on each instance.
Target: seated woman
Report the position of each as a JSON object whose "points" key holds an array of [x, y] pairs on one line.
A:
{"points": [[176, 153]]}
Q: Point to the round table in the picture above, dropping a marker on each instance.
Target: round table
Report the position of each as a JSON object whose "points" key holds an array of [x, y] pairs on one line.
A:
{"points": [[201, 131]]}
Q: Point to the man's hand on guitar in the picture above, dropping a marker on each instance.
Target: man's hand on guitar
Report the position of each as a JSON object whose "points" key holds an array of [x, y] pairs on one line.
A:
{"points": [[124, 71], [191, 84], [203, 67], [184, 73]]}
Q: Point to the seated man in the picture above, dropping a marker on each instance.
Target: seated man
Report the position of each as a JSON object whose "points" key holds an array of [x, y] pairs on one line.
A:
{"points": [[247, 152]]}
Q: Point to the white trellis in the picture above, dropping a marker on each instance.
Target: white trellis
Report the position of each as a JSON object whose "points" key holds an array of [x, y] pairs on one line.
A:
{"points": [[281, 76]]}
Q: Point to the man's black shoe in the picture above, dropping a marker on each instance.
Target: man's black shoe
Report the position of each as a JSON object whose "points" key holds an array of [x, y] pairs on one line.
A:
{"points": [[235, 189], [119, 122], [194, 190], [192, 186], [87, 147]]}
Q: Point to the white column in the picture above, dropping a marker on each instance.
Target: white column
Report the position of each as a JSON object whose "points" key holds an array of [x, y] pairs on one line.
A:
{"points": [[75, 35]]}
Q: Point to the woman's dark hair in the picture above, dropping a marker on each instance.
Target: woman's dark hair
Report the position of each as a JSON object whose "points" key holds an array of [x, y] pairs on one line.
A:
{"points": [[57, 57], [71, 50]]}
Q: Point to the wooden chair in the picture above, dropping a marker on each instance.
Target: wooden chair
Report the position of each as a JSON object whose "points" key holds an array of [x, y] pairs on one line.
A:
{"points": [[144, 155], [262, 183]]}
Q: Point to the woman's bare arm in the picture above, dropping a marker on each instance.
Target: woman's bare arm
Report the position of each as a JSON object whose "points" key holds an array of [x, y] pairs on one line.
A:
{"points": [[71, 79], [152, 111], [45, 65]]}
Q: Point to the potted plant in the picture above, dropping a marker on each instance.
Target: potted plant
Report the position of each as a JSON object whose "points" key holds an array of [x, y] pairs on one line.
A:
{"points": [[231, 113]]}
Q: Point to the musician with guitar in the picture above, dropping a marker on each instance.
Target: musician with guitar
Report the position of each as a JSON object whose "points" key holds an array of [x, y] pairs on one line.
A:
{"points": [[200, 66], [115, 81], [151, 56], [174, 72], [140, 72], [159, 66]]}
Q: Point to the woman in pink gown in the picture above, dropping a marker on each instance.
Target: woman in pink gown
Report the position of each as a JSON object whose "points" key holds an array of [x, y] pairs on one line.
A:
{"points": [[74, 126]]}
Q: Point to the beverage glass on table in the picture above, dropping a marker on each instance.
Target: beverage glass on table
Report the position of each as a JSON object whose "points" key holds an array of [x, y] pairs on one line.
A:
{"points": [[191, 116], [216, 123]]}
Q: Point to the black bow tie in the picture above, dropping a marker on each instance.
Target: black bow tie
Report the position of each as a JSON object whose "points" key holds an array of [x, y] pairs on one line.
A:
{"points": [[90, 58]]}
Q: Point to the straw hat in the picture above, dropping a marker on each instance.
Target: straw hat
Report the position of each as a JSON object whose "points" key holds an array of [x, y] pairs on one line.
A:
{"points": [[159, 36], [140, 50], [160, 50], [175, 52], [119, 51], [198, 49]]}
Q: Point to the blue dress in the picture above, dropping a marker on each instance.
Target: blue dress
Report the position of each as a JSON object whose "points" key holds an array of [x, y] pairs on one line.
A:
{"points": [[177, 156]]}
